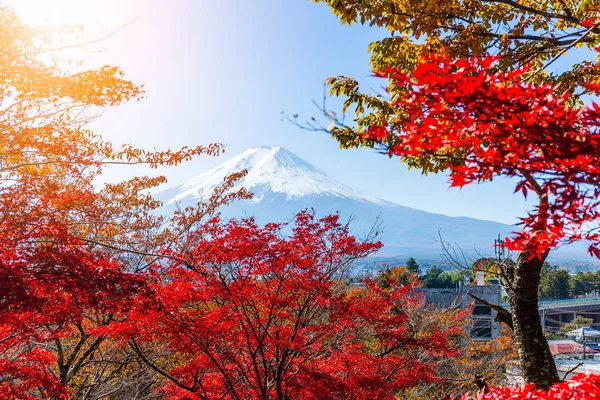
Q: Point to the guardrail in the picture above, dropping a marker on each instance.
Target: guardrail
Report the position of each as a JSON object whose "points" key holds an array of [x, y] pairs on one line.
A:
{"points": [[544, 305], [569, 303]]}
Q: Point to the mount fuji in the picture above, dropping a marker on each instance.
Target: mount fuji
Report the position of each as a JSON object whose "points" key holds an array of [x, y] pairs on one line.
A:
{"points": [[283, 184]]}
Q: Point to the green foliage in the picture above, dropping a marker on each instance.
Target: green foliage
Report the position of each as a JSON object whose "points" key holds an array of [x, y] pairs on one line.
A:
{"points": [[583, 283], [578, 322], [554, 282], [555, 336], [440, 279], [413, 266]]}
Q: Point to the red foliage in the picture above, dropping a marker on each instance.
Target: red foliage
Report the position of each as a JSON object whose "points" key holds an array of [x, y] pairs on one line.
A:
{"points": [[588, 23], [581, 387], [49, 276], [251, 313], [47, 280], [481, 123], [66, 248]]}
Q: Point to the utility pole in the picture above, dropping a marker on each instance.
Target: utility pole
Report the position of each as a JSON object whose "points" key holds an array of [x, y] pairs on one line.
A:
{"points": [[544, 321], [583, 341], [499, 249]]}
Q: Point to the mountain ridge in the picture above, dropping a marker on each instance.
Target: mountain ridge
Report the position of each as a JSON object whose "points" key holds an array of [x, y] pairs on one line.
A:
{"points": [[284, 184]]}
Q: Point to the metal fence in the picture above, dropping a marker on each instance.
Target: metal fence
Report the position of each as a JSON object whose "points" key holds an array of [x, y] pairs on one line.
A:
{"points": [[544, 305]]}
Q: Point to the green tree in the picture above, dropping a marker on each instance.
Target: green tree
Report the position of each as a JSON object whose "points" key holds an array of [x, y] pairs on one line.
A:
{"points": [[578, 322], [597, 279], [582, 283], [413, 266], [554, 282], [440, 279]]}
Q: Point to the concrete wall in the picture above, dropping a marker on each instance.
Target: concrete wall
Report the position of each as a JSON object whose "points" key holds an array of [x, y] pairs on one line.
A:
{"points": [[451, 298]]}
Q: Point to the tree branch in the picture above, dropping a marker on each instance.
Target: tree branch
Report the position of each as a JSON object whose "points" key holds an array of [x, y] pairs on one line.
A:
{"points": [[534, 11], [579, 364], [138, 351], [502, 314]]}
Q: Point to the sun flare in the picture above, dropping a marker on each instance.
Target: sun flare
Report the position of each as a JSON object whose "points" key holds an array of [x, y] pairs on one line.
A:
{"points": [[59, 12]]}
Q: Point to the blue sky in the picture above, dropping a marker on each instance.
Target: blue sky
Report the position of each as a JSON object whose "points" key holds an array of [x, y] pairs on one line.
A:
{"points": [[222, 71]]}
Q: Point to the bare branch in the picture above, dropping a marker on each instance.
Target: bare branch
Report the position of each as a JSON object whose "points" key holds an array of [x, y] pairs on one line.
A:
{"points": [[502, 314], [579, 364]]}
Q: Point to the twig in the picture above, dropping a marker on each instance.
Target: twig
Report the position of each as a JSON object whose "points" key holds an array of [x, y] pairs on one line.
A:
{"points": [[563, 51], [571, 370]]}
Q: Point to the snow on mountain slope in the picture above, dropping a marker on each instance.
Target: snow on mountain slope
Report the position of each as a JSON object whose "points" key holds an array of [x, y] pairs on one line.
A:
{"points": [[273, 169], [284, 184]]}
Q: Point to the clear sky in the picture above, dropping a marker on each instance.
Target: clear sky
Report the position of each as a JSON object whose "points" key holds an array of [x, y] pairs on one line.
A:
{"points": [[223, 70]]}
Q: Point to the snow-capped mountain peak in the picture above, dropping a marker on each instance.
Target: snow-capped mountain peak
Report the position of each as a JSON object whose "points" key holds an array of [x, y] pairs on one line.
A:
{"points": [[283, 184], [271, 171]]}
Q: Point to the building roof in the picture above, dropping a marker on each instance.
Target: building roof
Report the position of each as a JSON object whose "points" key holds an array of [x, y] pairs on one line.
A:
{"points": [[559, 347]]}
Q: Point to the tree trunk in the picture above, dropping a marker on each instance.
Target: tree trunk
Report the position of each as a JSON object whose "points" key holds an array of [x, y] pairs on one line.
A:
{"points": [[537, 363]]}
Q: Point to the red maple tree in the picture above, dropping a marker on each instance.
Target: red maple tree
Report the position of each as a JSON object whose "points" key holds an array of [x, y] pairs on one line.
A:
{"points": [[70, 251], [486, 124], [249, 312], [479, 123], [47, 286]]}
